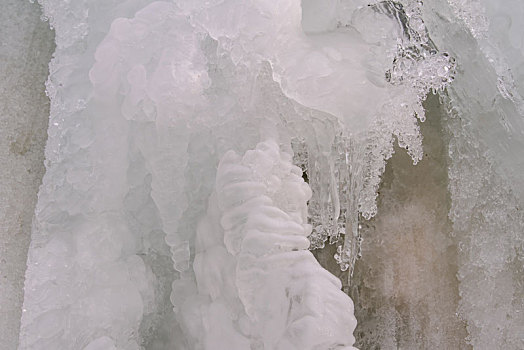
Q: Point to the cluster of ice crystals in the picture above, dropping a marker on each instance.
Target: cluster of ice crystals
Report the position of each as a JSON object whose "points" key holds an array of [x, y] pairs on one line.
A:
{"points": [[409, 66]]}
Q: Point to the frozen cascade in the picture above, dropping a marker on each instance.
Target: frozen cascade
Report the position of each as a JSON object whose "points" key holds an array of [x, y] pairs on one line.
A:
{"points": [[171, 215], [259, 286], [140, 169]]}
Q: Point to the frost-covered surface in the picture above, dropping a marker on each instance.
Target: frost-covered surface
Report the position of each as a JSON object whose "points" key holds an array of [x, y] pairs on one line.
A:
{"points": [[164, 222], [489, 90], [488, 224], [485, 175]]}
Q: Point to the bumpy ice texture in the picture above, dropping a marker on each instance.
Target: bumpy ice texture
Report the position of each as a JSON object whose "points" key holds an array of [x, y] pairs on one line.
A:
{"points": [[258, 284]]}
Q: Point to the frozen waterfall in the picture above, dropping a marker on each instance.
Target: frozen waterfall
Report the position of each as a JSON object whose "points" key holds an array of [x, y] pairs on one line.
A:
{"points": [[262, 175]]}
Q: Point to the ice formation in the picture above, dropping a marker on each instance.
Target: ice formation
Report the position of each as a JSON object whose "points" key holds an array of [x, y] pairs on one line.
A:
{"points": [[197, 150], [163, 106], [258, 285]]}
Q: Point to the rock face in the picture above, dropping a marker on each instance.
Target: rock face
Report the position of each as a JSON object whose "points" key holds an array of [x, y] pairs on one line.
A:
{"points": [[25, 51]]}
